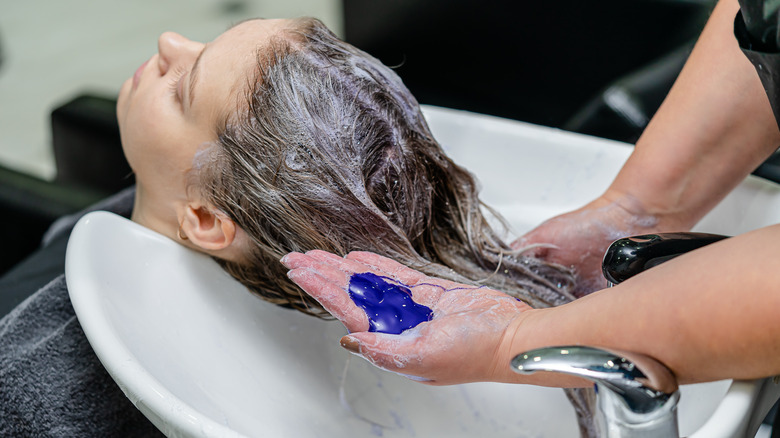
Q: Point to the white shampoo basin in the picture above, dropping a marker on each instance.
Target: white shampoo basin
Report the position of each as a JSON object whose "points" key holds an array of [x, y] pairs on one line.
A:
{"points": [[202, 357]]}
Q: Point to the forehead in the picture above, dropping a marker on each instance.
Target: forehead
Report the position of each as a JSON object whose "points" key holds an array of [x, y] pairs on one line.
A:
{"points": [[253, 33], [230, 61]]}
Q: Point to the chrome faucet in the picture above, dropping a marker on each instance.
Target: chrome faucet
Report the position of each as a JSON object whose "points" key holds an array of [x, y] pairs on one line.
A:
{"points": [[636, 395]]}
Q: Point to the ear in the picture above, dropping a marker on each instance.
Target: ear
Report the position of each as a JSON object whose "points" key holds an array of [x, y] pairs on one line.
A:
{"points": [[208, 228]]}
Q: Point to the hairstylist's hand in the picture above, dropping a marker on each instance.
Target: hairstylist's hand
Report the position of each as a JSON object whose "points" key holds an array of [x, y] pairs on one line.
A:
{"points": [[461, 343], [580, 238]]}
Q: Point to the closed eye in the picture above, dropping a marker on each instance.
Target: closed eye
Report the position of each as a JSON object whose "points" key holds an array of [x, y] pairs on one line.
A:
{"points": [[175, 83]]}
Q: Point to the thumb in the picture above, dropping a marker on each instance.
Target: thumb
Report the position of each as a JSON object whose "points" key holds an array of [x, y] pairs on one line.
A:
{"points": [[532, 245]]}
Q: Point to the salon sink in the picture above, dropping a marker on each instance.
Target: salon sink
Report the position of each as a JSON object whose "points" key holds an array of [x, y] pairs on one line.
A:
{"points": [[201, 357]]}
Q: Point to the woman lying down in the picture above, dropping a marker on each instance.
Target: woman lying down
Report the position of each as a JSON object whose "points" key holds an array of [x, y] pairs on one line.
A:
{"points": [[276, 137]]}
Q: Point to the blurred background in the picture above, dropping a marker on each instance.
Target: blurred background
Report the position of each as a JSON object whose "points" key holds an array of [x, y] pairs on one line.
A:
{"points": [[55, 50], [600, 67]]}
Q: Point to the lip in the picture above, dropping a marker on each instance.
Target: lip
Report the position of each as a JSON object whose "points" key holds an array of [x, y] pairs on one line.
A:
{"points": [[137, 75]]}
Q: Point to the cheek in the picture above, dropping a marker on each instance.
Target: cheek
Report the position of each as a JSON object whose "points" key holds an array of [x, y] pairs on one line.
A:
{"points": [[144, 116], [145, 132], [158, 140]]}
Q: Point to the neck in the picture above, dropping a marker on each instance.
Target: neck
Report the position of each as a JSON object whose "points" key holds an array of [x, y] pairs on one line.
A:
{"points": [[147, 211]]}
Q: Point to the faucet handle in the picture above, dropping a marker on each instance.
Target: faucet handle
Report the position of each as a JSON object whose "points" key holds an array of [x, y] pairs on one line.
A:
{"points": [[636, 394], [629, 256]]}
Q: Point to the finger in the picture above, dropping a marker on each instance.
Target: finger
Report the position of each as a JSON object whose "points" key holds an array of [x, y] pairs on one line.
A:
{"points": [[530, 246], [333, 273], [397, 353], [331, 296], [425, 290], [519, 243], [427, 295], [348, 266], [402, 273], [359, 262], [388, 267]]}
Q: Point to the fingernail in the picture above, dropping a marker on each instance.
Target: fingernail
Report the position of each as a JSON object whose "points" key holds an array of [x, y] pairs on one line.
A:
{"points": [[286, 260], [293, 274], [351, 344]]}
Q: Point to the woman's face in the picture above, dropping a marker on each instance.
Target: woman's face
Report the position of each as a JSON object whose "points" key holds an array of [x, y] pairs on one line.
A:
{"points": [[172, 106]]}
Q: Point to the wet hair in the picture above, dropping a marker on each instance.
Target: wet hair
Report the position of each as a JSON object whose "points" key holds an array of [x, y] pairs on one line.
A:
{"points": [[329, 150]]}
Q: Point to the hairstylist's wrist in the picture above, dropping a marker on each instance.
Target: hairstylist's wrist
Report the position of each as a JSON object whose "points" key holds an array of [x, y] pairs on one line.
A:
{"points": [[644, 215], [526, 332]]}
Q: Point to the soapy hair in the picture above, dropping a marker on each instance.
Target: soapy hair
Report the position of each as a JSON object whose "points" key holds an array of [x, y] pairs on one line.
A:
{"points": [[330, 151]]}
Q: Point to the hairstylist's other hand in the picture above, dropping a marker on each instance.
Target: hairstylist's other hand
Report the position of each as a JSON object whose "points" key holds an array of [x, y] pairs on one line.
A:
{"points": [[461, 343], [580, 238]]}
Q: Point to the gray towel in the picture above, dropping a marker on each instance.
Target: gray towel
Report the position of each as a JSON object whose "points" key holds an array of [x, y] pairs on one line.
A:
{"points": [[51, 382]]}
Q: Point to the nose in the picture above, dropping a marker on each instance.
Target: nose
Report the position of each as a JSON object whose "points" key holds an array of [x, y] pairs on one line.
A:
{"points": [[174, 50]]}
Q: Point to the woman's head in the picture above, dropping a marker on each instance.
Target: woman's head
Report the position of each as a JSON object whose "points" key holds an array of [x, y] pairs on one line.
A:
{"points": [[175, 105], [325, 148]]}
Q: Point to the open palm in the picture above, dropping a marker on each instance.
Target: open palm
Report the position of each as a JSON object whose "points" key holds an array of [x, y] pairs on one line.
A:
{"points": [[461, 343]]}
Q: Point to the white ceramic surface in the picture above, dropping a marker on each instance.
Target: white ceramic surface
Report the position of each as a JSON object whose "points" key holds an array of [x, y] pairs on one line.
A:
{"points": [[200, 356]]}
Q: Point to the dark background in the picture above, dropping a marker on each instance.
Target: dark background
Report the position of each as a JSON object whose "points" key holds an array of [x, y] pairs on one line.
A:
{"points": [[539, 62]]}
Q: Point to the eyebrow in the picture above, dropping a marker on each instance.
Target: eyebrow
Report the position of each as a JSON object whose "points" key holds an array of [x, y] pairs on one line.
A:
{"points": [[194, 75]]}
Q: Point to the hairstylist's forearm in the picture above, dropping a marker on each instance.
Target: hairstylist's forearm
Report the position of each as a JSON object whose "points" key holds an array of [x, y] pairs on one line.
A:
{"points": [[714, 128], [708, 315]]}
